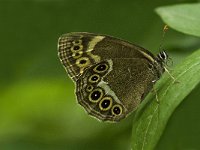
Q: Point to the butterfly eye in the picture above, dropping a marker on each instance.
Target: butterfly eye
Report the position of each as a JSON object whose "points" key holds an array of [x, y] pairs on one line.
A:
{"points": [[101, 68], [105, 103], [96, 95], [116, 110], [163, 55], [94, 78]]}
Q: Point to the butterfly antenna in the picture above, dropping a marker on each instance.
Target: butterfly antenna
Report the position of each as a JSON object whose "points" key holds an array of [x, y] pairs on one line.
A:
{"points": [[165, 28]]}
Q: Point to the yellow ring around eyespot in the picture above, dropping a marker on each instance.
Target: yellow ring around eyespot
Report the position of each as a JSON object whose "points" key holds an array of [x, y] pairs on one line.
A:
{"points": [[95, 101], [74, 51], [90, 78], [78, 56], [82, 65], [89, 90], [95, 69], [105, 109], [120, 107], [77, 43]]}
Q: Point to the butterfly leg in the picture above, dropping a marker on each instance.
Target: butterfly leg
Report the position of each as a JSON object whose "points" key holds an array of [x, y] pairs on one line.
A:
{"points": [[155, 91], [174, 79]]}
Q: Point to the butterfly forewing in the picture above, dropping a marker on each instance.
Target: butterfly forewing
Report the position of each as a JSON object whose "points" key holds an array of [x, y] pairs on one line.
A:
{"points": [[74, 53]]}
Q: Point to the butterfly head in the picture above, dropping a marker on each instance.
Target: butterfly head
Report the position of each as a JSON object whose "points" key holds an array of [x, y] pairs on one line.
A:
{"points": [[162, 57]]}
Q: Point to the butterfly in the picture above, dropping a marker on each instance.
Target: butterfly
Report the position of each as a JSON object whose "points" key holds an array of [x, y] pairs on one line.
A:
{"points": [[111, 76]]}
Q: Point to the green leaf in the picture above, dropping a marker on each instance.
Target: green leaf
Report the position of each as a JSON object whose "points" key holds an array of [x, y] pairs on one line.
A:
{"points": [[184, 18], [152, 117]]}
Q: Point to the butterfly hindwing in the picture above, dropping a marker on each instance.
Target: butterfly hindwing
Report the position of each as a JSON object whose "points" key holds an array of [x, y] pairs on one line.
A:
{"points": [[114, 91]]}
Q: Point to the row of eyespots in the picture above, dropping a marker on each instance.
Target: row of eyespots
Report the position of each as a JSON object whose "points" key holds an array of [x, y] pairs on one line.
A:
{"points": [[77, 52], [105, 102], [96, 95], [101, 68]]}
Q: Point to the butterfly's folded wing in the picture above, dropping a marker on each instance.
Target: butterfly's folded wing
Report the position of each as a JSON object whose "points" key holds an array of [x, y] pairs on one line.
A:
{"points": [[112, 76]]}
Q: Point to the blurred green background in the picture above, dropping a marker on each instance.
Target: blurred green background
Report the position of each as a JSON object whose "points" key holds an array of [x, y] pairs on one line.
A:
{"points": [[38, 110]]}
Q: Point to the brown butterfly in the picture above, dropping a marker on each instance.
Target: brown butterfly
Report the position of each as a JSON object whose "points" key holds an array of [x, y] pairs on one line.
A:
{"points": [[112, 76]]}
